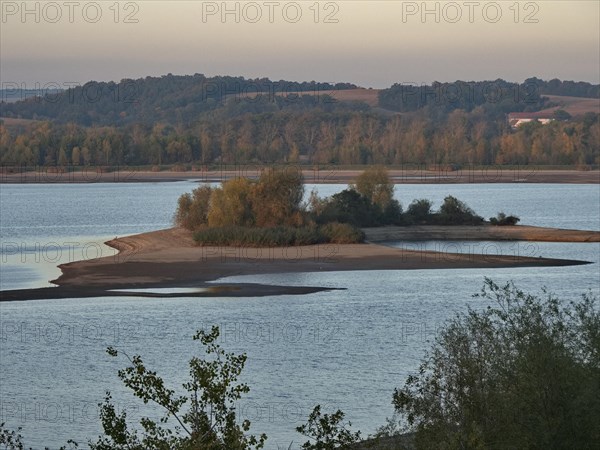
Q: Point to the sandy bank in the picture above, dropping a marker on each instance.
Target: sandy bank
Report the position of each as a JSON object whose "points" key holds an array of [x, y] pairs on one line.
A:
{"points": [[168, 258], [479, 233], [411, 174]]}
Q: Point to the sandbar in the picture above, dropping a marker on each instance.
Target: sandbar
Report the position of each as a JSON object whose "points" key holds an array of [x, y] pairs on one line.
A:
{"points": [[170, 259]]}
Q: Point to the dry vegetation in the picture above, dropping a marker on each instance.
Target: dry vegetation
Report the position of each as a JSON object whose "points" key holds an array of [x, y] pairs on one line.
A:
{"points": [[575, 106], [369, 96]]}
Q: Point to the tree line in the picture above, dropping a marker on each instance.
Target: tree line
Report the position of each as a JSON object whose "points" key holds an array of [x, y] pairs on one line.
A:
{"points": [[496, 97], [198, 120], [567, 88], [312, 137]]}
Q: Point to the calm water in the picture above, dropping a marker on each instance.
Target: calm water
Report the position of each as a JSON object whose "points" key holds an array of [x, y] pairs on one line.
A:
{"points": [[344, 349]]}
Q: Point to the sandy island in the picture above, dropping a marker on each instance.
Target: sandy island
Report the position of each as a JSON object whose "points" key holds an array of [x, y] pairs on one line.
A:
{"points": [[169, 258]]}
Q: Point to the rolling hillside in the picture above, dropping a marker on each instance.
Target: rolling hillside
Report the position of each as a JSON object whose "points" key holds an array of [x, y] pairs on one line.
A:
{"points": [[575, 106]]}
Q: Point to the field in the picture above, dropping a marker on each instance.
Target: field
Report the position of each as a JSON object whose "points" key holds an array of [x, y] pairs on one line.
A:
{"points": [[11, 122], [574, 105]]}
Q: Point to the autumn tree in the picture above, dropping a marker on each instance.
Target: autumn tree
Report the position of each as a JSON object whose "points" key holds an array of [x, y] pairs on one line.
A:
{"points": [[231, 205], [277, 197], [192, 209], [274, 200], [374, 183]]}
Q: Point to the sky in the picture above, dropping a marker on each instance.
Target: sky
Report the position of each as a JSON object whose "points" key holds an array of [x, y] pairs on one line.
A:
{"points": [[369, 43]]}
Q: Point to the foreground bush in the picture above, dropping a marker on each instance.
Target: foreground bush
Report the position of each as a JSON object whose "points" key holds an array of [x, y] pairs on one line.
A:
{"points": [[279, 236], [13, 440], [327, 431], [210, 420], [521, 375]]}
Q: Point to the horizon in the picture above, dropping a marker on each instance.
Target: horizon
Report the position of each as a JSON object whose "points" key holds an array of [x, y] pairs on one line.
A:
{"points": [[354, 42], [11, 86]]}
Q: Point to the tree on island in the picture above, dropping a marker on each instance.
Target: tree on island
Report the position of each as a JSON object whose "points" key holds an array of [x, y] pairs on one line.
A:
{"points": [[265, 212], [270, 211], [375, 184], [502, 220], [193, 209], [454, 212], [275, 199], [419, 211]]}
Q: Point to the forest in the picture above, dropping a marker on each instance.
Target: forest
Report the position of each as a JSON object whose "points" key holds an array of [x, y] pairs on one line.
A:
{"points": [[194, 120]]}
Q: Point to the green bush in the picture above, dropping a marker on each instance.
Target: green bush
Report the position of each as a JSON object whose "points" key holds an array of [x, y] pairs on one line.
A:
{"points": [[342, 233], [456, 212], [419, 211], [327, 431], [349, 207], [521, 374], [355, 208], [279, 236]]}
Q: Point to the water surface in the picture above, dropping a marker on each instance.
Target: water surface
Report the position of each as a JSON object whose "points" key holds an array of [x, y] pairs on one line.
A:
{"points": [[344, 349]]}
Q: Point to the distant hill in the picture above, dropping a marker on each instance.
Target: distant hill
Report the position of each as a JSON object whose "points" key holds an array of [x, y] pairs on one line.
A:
{"points": [[16, 94], [169, 99], [195, 120], [184, 100]]}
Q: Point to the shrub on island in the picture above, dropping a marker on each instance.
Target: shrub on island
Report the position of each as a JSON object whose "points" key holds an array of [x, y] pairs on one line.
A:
{"points": [[455, 212], [367, 203], [236, 236], [270, 211], [502, 219], [418, 212], [452, 212]]}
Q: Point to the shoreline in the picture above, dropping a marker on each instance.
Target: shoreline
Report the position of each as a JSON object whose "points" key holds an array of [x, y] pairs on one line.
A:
{"points": [[413, 174], [479, 233], [169, 259]]}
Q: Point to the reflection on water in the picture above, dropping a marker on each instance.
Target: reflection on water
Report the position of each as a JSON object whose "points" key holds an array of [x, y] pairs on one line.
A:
{"points": [[170, 290]]}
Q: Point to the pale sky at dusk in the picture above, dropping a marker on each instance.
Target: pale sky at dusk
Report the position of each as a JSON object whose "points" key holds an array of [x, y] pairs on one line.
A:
{"points": [[373, 44]]}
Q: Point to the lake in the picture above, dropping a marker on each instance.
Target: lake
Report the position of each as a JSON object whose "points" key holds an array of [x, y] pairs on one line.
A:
{"points": [[343, 349]]}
